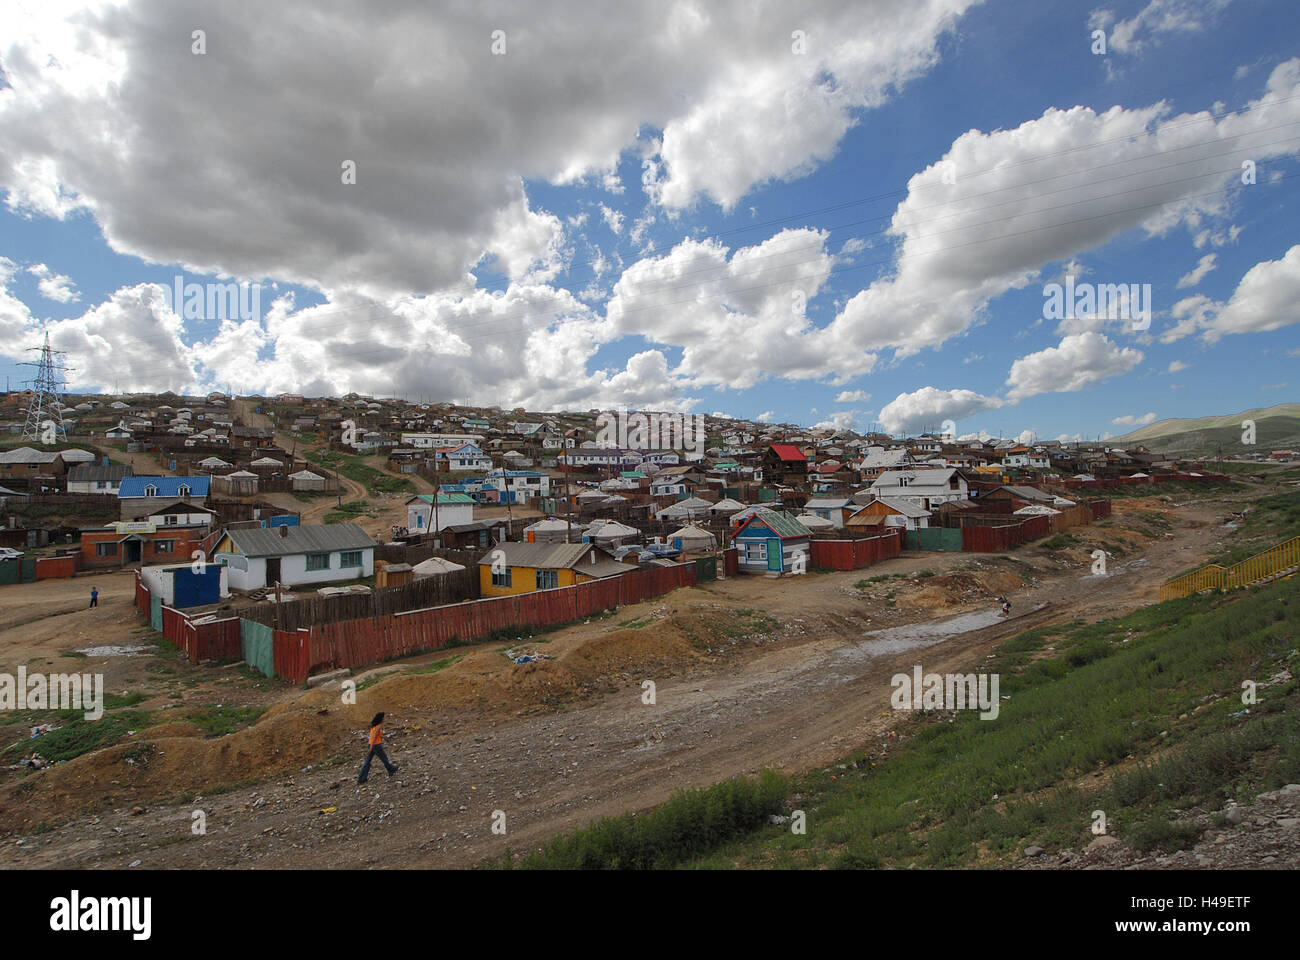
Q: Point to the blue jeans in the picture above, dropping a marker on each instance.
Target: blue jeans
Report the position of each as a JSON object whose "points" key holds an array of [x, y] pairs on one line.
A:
{"points": [[376, 751]]}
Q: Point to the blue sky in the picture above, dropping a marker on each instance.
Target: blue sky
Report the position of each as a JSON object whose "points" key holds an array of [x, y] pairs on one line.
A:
{"points": [[915, 180]]}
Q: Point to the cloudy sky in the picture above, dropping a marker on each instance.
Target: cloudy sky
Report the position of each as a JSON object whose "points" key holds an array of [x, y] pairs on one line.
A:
{"points": [[814, 212]]}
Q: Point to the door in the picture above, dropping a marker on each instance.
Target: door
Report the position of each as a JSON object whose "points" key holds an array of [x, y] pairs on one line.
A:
{"points": [[272, 571], [774, 555], [132, 550]]}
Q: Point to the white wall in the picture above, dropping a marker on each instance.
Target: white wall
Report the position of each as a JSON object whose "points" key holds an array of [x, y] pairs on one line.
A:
{"points": [[449, 514]]}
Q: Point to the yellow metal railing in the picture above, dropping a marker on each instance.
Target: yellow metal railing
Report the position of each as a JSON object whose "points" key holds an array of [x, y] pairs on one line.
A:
{"points": [[1275, 559]]}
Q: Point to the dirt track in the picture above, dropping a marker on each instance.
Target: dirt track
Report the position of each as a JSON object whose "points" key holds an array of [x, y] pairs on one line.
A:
{"points": [[812, 690]]}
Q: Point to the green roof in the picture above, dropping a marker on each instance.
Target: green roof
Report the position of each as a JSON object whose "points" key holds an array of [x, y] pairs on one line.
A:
{"points": [[445, 498], [783, 525]]}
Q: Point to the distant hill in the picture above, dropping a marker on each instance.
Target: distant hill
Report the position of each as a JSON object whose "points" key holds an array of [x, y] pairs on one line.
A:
{"points": [[1275, 427]]}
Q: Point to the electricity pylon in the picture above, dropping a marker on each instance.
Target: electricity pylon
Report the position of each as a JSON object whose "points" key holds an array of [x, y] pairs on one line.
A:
{"points": [[45, 410]]}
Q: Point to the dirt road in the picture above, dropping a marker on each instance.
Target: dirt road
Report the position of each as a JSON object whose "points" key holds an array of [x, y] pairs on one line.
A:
{"points": [[813, 686]]}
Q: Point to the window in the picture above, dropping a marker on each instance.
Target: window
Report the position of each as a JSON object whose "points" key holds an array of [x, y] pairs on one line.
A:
{"points": [[170, 520], [548, 579], [183, 490], [164, 546], [106, 549], [318, 561], [502, 578], [151, 491], [756, 551], [350, 558]]}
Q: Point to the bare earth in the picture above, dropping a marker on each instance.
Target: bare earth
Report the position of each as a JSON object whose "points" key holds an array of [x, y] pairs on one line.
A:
{"points": [[749, 672]]}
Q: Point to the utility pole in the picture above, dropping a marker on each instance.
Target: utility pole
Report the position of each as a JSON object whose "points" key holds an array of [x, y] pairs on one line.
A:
{"points": [[46, 404]]}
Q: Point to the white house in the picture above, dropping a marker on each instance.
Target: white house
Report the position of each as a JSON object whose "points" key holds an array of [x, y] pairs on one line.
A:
{"points": [[466, 456], [516, 486], [453, 509], [427, 441], [295, 556], [924, 487], [97, 478]]}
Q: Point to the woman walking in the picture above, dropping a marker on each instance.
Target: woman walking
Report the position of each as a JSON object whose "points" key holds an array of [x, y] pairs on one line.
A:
{"points": [[376, 749]]}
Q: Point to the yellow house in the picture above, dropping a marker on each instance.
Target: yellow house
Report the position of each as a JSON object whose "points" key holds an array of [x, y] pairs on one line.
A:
{"points": [[516, 567]]}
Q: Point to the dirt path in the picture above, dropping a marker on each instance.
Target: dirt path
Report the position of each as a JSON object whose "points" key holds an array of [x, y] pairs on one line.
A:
{"points": [[813, 690]]}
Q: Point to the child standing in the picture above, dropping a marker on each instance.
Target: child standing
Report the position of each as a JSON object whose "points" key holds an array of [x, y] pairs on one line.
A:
{"points": [[376, 749], [94, 596]]}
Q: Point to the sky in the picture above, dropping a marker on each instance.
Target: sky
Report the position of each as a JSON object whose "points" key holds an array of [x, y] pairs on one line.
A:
{"points": [[836, 214]]}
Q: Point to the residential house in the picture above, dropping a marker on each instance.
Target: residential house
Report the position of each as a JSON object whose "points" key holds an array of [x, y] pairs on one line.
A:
{"points": [[926, 487], [130, 542], [835, 509], [295, 555], [772, 543], [891, 512], [513, 567], [517, 486], [453, 509], [98, 478]]}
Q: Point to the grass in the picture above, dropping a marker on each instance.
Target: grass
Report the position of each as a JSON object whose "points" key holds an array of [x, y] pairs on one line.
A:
{"points": [[79, 736], [221, 720], [355, 468], [1060, 541], [689, 823], [1271, 520], [1155, 695]]}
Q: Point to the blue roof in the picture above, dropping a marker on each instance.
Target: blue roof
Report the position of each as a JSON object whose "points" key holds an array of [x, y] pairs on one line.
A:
{"points": [[167, 486]]}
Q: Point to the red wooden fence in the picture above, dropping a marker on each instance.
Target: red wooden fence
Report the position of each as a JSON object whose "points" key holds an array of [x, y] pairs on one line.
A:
{"points": [[1100, 508], [355, 643], [995, 539], [855, 554]]}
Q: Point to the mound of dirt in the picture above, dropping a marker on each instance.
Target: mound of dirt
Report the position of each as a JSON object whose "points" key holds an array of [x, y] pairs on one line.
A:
{"points": [[573, 666], [286, 738], [959, 589]]}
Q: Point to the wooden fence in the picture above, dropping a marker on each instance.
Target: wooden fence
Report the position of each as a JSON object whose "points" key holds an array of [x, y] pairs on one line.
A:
{"points": [[379, 602], [855, 554], [356, 643], [979, 539], [201, 639], [1277, 560]]}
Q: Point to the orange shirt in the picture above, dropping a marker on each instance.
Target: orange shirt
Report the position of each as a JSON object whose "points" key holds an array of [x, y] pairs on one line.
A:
{"points": [[376, 735]]}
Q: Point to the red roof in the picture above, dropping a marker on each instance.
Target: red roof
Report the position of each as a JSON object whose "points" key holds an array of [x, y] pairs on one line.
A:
{"points": [[788, 451]]}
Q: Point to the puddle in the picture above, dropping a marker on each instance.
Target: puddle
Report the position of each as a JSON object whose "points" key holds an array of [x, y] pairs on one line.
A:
{"points": [[114, 651], [911, 634]]}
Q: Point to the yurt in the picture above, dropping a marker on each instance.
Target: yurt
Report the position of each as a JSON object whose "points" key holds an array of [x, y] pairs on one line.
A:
{"points": [[306, 480], [554, 530], [434, 567], [726, 507], [693, 539], [608, 533]]}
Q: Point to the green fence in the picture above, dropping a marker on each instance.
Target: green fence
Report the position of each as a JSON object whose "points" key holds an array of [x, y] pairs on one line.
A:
{"points": [[706, 568], [155, 613], [255, 644], [933, 538]]}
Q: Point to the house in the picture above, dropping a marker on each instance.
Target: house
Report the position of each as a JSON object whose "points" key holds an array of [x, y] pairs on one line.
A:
{"points": [[893, 512], [166, 512], [834, 509], [426, 441], [878, 460], [129, 542], [517, 486], [97, 478], [465, 456], [785, 463], [170, 488], [295, 555], [772, 543], [925, 487], [453, 509], [511, 568], [32, 466]]}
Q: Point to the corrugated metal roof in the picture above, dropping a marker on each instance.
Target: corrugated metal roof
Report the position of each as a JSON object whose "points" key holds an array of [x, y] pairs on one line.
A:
{"points": [[558, 556], [302, 539], [782, 524], [166, 486]]}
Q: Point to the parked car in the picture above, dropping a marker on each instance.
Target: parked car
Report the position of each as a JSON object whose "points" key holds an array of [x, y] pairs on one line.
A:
{"points": [[9, 553]]}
